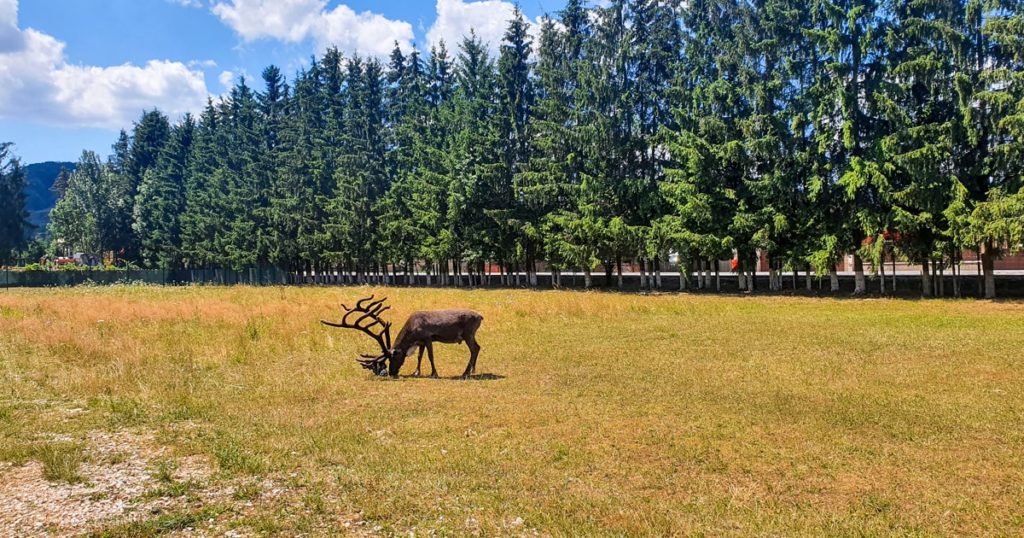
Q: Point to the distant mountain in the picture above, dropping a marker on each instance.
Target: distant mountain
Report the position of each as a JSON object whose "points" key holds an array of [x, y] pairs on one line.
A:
{"points": [[39, 178]]}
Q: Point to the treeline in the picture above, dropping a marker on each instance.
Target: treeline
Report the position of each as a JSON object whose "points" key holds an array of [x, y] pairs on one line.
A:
{"points": [[807, 130]]}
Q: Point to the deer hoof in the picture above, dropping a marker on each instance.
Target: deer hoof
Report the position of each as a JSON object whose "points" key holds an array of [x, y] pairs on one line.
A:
{"points": [[433, 375]]}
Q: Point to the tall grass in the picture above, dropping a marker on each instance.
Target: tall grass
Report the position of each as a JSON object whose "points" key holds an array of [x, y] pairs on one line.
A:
{"points": [[597, 413]]}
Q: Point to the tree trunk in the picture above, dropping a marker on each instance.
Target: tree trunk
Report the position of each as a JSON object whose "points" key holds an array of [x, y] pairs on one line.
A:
{"points": [[956, 274], [860, 285], [618, 265], [657, 273], [683, 276], [643, 274], [718, 279], [926, 280], [988, 269], [587, 279], [942, 279], [980, 279], [833, 280], [894, 273], [881, 275], [807, 283]]}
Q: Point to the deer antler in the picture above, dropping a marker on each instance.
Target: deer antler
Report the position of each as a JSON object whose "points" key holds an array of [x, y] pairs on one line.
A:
{"points": [[368, 310]]}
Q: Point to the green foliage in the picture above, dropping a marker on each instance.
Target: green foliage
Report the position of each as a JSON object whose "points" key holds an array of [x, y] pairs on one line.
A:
{"points": [[14, 225], [804, 131]]}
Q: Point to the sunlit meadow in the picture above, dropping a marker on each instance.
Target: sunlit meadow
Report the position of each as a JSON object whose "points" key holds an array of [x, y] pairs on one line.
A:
{"points": [[592, 413]]}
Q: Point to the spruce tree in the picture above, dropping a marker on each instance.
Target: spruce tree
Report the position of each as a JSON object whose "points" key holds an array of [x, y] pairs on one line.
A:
{"points": [[515, 99], [14, 225], [917, 152], [986, 134], [850, 36], [161, 200], [204, 222]]}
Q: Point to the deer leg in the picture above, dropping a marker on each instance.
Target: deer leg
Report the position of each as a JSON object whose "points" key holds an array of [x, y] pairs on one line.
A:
{"points": [[474, 350], [430, 355], [419, 360]]}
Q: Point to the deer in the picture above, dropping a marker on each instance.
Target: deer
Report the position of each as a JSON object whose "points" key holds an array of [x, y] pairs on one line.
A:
{"points": [[421, 330]]}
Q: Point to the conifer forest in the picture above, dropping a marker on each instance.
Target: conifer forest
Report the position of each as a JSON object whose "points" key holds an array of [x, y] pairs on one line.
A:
{"points": [[806, 131]]}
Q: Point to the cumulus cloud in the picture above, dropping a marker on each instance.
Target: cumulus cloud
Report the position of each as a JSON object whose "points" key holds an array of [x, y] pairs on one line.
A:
{"points": [[226, 79], [37, 83], [10, 36], [298, 20], [455, 18]]}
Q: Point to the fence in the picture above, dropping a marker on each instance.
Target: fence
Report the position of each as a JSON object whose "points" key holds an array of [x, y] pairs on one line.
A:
{"points": [[906, 284], [261, 276]]}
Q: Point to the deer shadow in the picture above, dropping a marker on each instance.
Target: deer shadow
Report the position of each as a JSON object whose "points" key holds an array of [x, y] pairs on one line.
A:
{"points": [[474, 377]]}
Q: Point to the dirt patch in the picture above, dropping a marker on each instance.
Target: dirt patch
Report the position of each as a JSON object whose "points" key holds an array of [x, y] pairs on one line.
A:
{"points": [[119, 470]]}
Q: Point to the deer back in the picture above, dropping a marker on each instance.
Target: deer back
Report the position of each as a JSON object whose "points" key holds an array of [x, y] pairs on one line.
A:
{"points": [[445, 326]]}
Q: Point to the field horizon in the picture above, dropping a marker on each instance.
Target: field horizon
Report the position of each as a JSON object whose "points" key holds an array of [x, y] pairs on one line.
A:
{"points": [[143, 411]]}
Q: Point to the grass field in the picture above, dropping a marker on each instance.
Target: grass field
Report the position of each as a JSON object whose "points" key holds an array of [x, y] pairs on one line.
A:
{"points": [[595, 414]]}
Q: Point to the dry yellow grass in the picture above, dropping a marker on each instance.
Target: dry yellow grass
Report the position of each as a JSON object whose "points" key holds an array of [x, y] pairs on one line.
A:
{"points": [[603, 413]]}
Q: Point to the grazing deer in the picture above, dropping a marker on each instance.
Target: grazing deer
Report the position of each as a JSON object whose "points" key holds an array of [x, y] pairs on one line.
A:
{"points": [[421, 330]]}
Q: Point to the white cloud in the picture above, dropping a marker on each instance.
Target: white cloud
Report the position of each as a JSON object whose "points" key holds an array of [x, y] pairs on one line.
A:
{"points": [[226, 79], [37, 83], [187, 3], [205, 64], [455, 18], [297, 20], [10, 36]]}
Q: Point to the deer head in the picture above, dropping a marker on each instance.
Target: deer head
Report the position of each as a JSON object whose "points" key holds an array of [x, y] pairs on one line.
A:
{"points": [[365, 317]]}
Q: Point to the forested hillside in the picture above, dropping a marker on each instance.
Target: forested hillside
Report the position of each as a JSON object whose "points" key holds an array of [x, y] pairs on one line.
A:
{"points": [[808, 130], [40, 194]]}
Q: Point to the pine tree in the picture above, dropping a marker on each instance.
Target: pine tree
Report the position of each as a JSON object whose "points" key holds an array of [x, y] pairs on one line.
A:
{"points": [[478, 194], [515, 97], [917, 152], [204, 222], [147, 141], [547, 189], [709, 161], [408, 117], [14, 225], [301, 185], [245, 177], [361, 177], [850, 36], [161, 200], [432, 159], [986, 138]]}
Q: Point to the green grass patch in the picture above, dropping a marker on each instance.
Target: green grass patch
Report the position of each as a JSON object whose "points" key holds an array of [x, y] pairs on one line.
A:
{"points": [[61, 461], [164, 524]]}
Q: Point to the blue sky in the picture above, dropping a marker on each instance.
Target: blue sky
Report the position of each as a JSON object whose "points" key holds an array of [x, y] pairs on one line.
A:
{"points": [[73, 72]]}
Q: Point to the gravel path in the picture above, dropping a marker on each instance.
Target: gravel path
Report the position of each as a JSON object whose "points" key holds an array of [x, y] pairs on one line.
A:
{"points": [[119, 470]]}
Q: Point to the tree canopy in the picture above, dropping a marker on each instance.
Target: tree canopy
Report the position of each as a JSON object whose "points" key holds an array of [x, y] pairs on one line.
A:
{"points": [[804, 131]]}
